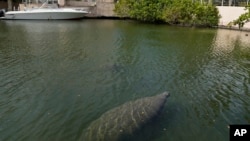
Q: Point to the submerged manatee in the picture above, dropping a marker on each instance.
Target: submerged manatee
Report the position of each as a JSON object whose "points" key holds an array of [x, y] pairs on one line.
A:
{"points": [[125, 119], [112, 67]]}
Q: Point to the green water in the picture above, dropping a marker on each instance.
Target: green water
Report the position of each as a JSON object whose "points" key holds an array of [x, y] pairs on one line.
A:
{"points": [[56, 77]]}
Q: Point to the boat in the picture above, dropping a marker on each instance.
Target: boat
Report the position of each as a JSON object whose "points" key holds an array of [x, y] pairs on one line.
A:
{"points": [[48, 11]]}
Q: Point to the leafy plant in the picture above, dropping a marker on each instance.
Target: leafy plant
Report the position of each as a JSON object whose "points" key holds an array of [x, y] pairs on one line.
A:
{"points": [[243, 18], [206, 15], [183, 12], [123, 7], [143, 10]]}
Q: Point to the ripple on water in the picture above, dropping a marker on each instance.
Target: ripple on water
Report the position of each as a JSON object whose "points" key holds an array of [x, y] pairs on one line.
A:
{"points": [[57, 78]]}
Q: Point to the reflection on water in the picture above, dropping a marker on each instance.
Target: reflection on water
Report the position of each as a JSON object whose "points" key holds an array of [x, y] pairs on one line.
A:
{"points": [[228, 40], [56, 77]]}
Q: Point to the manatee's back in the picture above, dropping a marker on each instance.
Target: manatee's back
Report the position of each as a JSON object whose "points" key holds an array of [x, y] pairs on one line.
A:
{"points": [[125, 119]]}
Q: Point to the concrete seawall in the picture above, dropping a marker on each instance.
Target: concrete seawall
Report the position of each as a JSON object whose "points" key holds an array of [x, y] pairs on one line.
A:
{"points": [[100, 8], [228, 14]]}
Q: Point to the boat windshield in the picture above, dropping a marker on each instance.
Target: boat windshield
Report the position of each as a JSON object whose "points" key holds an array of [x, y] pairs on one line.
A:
{"points": [[49, 5]]}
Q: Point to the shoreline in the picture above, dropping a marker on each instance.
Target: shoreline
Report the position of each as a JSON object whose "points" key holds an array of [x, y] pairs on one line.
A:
{"points": [[234, 28], [119, 18], [228, 14]]}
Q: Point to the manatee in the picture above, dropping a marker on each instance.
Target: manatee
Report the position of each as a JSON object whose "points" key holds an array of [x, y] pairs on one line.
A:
{"points": [[112, 67], [124, 120]]}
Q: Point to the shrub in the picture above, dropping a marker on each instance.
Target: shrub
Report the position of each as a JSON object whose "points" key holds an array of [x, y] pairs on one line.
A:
{"points": [[179, 12], [143, 10], [184, 12], [206, 15]]}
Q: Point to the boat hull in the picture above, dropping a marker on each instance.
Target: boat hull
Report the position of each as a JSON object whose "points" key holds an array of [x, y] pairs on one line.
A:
{"points": [[45, 15]]}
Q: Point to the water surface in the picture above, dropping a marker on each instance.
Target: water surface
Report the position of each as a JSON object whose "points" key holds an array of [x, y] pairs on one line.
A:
{"points": [[56, 77]]}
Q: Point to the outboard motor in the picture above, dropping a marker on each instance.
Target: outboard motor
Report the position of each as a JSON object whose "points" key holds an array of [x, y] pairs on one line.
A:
{"points": [[2, 12]]}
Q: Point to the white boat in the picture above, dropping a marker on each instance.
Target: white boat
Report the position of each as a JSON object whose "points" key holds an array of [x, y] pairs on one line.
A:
{"points": [[46, 12]]}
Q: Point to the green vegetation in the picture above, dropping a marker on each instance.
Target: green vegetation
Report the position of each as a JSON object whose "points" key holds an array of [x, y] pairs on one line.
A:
{"points": [[243, 18], [181, 12]]}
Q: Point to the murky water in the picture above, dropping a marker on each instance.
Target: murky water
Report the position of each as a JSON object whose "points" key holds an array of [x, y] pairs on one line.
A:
{"points": [[56, 77]]}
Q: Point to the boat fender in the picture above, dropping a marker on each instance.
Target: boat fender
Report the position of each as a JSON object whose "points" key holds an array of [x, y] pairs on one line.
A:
{"points": [[2, 12]]}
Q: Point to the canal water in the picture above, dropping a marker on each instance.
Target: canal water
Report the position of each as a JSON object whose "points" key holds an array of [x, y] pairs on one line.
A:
{"points": [[56, 77]]}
